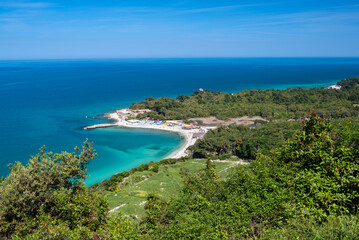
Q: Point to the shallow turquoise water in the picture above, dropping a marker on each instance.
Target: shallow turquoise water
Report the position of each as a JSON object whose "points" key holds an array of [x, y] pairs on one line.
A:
{"points": [[121, 148], [46, 102]]}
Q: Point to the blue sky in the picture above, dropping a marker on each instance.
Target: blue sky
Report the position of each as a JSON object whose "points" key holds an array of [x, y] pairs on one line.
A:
{"points": [[57, 29]]}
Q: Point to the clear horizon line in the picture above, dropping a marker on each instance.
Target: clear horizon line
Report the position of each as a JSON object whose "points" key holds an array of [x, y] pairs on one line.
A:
{"points": [[133, 58]]}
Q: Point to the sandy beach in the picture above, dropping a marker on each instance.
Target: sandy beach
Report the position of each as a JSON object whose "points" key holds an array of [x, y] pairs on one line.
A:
{"points": [[176, 127], [190, 135], [335, 86]]}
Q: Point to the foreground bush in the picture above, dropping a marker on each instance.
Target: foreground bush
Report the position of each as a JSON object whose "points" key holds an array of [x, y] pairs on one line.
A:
{"points": [[49, 190]]}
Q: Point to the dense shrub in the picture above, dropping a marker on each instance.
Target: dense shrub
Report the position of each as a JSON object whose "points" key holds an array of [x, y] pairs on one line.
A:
{"points": [[345, 227], [49, 187], [46, 199], [311, 182], [243, 141], [327, 182]]}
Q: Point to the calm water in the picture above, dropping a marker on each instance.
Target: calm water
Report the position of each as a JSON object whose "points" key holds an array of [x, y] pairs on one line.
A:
{"points": [[46, 102]]}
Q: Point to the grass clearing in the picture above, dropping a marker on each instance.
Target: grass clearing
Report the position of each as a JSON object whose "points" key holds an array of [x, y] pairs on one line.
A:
{"points": [[131, 197]]}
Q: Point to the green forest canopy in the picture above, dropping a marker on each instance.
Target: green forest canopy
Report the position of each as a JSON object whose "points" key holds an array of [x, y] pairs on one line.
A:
{"points": [[270, 104]]}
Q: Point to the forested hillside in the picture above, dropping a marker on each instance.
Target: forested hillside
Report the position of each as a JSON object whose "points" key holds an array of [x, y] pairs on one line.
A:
{"points": [[269, 104], [247, 142]]}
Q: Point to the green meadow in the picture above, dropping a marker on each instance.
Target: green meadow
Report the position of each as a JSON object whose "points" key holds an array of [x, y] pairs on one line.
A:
{"points": [[130, 197]]}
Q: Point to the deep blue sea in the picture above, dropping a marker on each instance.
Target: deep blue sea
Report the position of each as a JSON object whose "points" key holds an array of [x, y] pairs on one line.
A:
{"points": [[48, 102]]}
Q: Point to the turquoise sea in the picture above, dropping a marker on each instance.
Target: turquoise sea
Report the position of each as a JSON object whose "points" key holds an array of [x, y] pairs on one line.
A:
{"points": [[48, 102]]}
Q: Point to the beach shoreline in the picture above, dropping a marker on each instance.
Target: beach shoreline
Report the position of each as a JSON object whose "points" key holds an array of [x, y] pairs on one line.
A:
{"points": [[334, 86], [190, 132], [177, 126]]}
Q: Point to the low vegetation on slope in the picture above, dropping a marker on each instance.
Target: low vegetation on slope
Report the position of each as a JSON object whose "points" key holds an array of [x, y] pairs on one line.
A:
{"points": [[131, 195]]}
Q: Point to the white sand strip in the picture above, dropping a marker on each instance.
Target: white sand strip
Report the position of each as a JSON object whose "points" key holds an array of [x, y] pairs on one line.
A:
{"points": [[177, 127], [337, 87]]}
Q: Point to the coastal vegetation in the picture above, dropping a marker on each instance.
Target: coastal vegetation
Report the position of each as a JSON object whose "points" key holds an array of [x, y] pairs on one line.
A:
{"points": [[308, 187], [311, 179], [244, 141], [270, 104], [248, 142], [301, 182]]}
